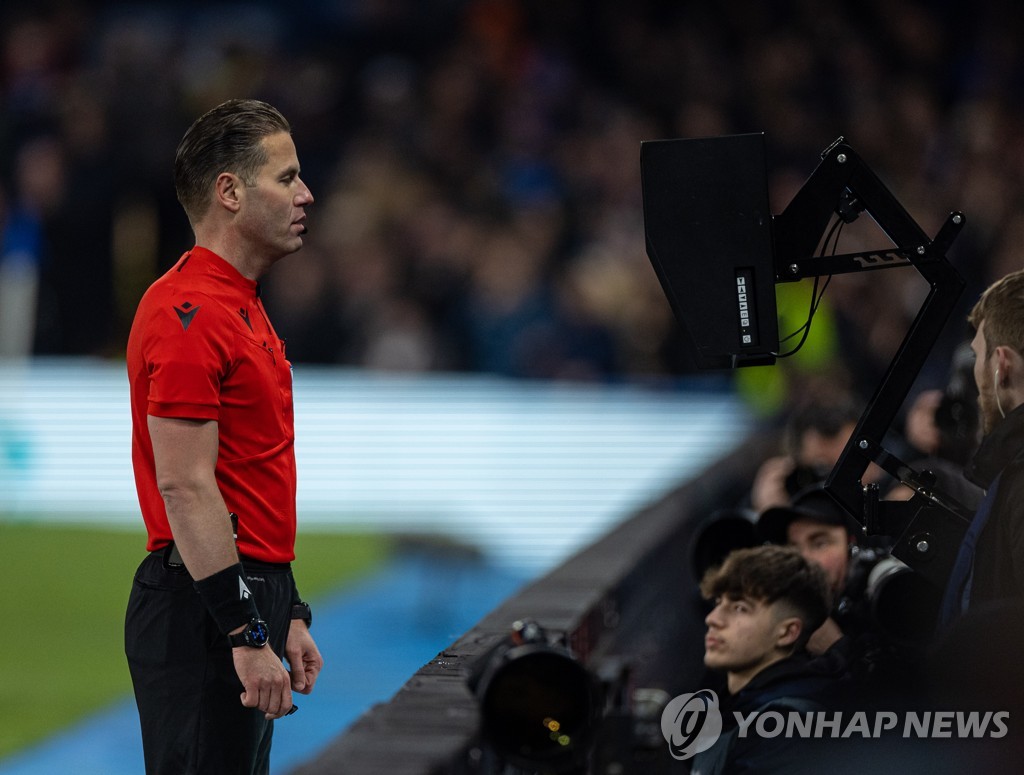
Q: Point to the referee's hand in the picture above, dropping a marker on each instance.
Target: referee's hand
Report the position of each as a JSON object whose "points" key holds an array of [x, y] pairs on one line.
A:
{"points": [[303, 657], [266, 682]]}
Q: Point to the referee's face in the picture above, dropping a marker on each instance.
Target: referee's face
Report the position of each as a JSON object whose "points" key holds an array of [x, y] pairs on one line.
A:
{"points": [[273, 217]]}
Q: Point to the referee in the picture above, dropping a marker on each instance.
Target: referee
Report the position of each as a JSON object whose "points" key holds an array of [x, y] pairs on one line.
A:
{"points": [[214, 608]]}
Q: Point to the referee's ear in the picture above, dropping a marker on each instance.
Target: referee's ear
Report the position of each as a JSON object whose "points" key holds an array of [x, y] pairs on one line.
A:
{"points": [[229, 191]]}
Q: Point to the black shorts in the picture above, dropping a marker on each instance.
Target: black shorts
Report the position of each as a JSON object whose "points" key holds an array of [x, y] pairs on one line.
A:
{"points": [[188, 694]]}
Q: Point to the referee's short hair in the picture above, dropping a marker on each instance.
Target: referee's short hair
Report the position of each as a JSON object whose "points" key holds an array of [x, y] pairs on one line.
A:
{"points": [[227, 138]]}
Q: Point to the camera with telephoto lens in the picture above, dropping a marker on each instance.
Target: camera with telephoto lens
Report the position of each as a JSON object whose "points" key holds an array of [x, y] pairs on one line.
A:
{"points": [[539, 706], [884, 594]]}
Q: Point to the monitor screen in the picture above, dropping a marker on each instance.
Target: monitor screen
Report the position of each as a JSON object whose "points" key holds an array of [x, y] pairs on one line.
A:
{"points": [[709, 237]]}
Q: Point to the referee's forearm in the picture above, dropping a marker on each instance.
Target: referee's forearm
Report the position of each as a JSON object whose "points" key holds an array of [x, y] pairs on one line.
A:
{"points": [[185, 457], [202, 531]]}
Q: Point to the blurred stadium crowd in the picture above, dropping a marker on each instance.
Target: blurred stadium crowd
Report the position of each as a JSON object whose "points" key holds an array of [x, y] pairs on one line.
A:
{"points": [[476, 164]]}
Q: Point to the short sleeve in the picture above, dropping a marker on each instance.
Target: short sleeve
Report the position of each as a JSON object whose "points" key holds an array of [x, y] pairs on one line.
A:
{"points": [[187, 356]]}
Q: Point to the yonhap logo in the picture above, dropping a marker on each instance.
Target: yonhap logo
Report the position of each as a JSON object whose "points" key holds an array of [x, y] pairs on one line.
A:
{"points": [[691, 723]]}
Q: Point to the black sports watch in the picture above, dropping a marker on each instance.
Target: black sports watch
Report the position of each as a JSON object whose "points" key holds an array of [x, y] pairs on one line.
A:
{"points": [[302, 611], [255, 635]]}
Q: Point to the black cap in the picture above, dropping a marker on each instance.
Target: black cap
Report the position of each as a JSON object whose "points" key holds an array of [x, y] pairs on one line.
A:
{"points": [[724, 530], [812, 503]]}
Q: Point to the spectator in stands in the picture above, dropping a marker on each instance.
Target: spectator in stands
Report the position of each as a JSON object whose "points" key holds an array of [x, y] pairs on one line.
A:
{"points": [[813, 439], [990, 564], [882, 614], [821, 531], [767, 602], [490, 111], [976, 663], [942, 428]]}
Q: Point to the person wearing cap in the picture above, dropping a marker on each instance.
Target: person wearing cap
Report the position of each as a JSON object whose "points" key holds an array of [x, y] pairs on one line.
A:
{"points": [[882, 613], [817, 526], [819, 529]]}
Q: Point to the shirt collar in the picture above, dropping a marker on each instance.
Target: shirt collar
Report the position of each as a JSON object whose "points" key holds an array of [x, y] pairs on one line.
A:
{"points": [[220, 266]]}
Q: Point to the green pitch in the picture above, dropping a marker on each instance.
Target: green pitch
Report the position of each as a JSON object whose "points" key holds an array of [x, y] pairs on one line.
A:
{"points": [[63, 592]]}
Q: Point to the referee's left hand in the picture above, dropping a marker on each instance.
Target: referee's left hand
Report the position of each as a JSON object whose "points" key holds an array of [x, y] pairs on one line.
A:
{"points": [[303, 657], [264, 679]]}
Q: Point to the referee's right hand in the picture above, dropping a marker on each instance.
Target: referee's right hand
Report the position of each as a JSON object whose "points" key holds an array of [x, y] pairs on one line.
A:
{"points": [[267, 683]]}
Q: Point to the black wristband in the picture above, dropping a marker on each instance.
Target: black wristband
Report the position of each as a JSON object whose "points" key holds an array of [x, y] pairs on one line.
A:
{"points": [[302, 611], [227, 598]]}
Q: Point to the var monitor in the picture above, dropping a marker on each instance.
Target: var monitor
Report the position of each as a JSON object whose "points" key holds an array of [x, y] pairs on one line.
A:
{"points": [[709, 237]]}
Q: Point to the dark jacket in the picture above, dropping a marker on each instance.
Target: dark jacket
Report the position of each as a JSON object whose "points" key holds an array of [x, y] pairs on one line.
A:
{"points": [[999, 556], [793, 684]]}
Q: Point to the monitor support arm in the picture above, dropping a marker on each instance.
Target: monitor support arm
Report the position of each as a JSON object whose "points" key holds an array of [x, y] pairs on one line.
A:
{"points": [[927, 529]]}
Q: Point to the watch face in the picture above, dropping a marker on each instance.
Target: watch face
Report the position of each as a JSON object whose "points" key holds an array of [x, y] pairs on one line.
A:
{"points": [[259, 632]]}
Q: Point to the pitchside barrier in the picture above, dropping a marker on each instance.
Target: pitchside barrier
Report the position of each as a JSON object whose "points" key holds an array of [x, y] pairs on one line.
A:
{"points": [[625, 609]]}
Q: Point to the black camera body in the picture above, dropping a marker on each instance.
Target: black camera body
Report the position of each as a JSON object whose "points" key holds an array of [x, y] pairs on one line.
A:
{"points": [[886, 597]]}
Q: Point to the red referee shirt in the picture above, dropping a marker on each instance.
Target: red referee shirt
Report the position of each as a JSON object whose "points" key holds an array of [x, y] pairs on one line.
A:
{"points": [[201, 347]]}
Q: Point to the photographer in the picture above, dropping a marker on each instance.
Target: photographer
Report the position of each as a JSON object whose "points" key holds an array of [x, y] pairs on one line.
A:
{"points": [[944, 424], [882, 613], [812, 441]]}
